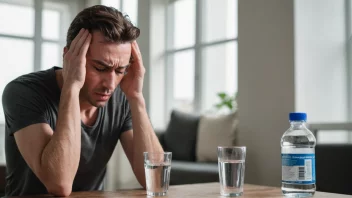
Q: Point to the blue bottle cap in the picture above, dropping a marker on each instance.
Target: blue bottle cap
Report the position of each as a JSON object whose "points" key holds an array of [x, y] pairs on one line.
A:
{"points": [[298, 116]]}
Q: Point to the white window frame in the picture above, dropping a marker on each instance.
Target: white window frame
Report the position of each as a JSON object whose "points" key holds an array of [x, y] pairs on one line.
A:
{"points": [[65, 8], [348, 26], [37, 39], [197, 47], [342, 126], [121, 9]]}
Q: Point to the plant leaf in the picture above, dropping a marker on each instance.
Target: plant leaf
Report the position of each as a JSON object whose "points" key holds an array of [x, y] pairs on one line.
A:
{"points": [[222, 95]]}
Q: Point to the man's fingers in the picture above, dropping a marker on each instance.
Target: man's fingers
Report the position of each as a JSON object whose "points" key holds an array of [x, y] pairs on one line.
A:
{"points": [[137, 58], [136, 52], [75, 40], [80, 42], [85, 46]]}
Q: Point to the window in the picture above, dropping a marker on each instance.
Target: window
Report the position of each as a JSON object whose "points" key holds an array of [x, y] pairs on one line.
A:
{"points": [[127, 7], [323, 67], [183, 88], [25, 44], [201, 53], [54, 27]]}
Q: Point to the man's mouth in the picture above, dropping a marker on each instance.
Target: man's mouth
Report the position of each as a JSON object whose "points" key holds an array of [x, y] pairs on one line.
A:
{"points": [[102, 96]]}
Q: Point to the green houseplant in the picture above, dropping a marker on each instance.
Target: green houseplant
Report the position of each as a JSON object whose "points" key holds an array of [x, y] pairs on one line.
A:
{"points": [[227, 102]]}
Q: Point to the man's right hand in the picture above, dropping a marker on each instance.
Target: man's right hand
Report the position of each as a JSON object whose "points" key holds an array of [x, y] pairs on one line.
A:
{"points": [[74, 67]]}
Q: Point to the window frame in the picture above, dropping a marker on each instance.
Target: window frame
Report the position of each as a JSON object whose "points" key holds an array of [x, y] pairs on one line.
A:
{"points": [[37, 39], [348, 21], [332, 127], [121, 9], [197, 47], [38, 6]]}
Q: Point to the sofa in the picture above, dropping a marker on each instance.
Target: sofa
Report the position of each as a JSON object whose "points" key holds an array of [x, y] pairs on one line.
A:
{"points": [[190, 171], [333, 164], [191, 140], [333, 161]]}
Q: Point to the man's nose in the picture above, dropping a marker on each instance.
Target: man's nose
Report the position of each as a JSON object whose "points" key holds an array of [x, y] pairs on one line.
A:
{"points": [[110, 80]]}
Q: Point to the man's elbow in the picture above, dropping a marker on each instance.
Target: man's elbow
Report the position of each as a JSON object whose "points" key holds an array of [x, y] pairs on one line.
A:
{"points": [[144, 186], [60, 190], [142, 182], [140, 175]]}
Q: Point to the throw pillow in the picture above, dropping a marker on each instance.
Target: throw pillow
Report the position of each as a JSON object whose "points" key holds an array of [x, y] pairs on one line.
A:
{"points": [[180, 136], [214, 131]]}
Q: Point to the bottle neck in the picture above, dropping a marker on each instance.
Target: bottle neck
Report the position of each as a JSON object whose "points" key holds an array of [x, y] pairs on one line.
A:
{"points": [[296, 125]]}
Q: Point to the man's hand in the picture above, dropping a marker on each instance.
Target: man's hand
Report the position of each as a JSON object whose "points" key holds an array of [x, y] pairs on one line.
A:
{"points": [[74, 67], [132, 83]]}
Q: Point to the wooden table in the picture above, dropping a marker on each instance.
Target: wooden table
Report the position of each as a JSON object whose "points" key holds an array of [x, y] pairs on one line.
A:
{"points": [[198, 190]]}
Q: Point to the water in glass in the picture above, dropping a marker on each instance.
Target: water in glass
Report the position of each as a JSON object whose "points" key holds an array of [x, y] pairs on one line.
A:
{"points": [[231, 173], [157, 177]]}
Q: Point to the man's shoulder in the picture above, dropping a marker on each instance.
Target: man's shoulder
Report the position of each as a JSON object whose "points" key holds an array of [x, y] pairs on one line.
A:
{"points": [[35, 80], [35, 83], [38, 76]]}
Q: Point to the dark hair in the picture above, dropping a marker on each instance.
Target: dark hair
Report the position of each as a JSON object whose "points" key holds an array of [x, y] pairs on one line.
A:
{"points": [[115, 26]]}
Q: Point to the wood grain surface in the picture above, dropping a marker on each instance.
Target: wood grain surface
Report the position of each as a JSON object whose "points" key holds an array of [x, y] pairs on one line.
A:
{"points": [[196, 190]]}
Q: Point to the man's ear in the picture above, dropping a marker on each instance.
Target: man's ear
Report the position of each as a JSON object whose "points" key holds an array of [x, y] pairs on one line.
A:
{"points": [[65, 51]]}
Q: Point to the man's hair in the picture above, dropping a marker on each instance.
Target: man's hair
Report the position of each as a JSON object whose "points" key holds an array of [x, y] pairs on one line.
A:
{"points": [[115, 26]]}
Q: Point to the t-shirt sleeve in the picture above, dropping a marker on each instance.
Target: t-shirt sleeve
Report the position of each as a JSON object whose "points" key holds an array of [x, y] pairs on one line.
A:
{"points": [[23, 106], [127, 124]]}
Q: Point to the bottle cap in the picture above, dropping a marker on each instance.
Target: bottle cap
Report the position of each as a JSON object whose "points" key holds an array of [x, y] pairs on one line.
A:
{"points": [[295, 116]]}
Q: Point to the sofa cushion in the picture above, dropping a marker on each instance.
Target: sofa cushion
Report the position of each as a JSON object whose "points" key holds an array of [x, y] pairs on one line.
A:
{"points": [[180, 136], [214, 131]]}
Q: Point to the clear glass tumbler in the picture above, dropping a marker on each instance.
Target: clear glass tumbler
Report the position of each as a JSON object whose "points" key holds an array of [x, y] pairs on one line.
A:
{"points": [[157, 168], [231, 162]]}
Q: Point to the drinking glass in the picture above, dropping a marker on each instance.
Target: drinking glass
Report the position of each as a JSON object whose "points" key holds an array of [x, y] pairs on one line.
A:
{"points": [[157, 168], [231, 162]]}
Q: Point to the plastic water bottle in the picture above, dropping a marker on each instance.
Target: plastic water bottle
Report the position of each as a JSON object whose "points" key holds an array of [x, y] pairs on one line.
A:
{"points": [[298, 158]]}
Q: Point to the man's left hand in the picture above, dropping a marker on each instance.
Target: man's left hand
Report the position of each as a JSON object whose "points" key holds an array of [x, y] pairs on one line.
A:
{"points": [[132, 83]]}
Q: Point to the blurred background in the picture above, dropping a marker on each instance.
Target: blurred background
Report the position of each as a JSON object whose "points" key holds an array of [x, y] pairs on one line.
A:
{"points": [[275, 56]]}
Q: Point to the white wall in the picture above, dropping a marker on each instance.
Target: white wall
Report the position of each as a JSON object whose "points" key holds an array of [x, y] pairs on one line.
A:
{"points": [[265, 84]]}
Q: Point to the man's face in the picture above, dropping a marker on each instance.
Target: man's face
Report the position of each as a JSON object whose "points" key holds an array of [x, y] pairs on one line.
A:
{"points": [[106, 65]]}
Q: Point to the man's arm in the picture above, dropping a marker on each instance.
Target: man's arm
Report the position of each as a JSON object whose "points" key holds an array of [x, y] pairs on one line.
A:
{"points": [[143, 137], [54, 156]]}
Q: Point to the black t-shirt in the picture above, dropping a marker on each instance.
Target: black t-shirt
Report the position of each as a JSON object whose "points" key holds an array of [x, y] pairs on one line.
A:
{"points": [[34, 98]]}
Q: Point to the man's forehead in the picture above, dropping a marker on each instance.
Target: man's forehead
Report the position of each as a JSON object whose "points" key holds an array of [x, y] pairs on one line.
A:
{"points": [[102, 44], [109, 49]]}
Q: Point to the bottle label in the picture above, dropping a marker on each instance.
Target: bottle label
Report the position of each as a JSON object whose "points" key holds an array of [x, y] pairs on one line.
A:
{"points": [[298, 168]]}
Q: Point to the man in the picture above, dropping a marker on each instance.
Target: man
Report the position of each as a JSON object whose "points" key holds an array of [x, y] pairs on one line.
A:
{"points": [[62, 125]]}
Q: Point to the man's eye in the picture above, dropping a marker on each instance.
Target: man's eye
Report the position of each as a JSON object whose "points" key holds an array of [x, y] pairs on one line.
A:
{"points": [[120, 71], [99, 69]]}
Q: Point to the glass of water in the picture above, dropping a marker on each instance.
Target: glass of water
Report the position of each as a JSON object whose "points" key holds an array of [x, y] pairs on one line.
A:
{"points": [[231, 162], [157, 168]]}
